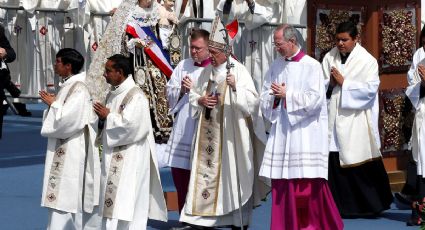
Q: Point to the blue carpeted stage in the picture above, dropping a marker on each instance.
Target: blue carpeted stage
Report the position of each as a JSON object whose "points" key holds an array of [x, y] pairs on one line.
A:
{"points": [[22, 152]]}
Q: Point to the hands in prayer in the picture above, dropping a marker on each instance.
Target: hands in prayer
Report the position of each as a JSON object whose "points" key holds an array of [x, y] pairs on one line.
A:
{"points": [[230, 79], [186, 85], [101, 110], [3, 53], [208, 101], [336, 77], [279, 90], [47, 98], [421, 71]]}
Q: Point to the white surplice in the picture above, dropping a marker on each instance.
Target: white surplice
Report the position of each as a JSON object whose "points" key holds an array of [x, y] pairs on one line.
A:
{"points": [[65, 122], [139, 194], [179, 145], [244, 106], [354, 107], [413, 91], [298, 143]]}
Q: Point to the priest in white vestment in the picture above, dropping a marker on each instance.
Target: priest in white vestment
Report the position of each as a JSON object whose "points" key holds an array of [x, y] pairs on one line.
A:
{"points": [[72, 169], [130, 190], [416, 92], [293, 99], [183, 78], [357, 176], [227, 148]]}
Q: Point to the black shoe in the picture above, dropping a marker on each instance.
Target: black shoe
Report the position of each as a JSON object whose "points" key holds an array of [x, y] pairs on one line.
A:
{"points": [[404, 199], [4, 109], [22, 109]]}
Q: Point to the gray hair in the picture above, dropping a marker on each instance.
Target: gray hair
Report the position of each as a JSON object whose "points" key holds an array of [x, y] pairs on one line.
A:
{"points": [[289, 33]]}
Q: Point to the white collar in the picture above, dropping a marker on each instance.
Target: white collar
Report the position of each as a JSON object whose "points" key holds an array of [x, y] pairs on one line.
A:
{"points": [[125, 85], [73, 78]]}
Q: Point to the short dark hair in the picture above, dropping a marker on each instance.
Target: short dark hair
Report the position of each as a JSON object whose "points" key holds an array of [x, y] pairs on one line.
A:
{"points": [[73, 57], [199, 33], [347, 27], [121, 62]]}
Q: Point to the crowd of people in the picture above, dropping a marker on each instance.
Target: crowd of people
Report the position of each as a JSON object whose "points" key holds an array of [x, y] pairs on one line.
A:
{"points": [[309, 136]]}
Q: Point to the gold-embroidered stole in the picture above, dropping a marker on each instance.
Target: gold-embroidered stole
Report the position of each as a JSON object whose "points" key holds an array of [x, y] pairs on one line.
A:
{"points": [[117, 162], [208, 168], [56, 169]]}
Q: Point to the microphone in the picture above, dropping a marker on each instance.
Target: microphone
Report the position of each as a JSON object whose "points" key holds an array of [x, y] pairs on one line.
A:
{"points": [[208, 110]]}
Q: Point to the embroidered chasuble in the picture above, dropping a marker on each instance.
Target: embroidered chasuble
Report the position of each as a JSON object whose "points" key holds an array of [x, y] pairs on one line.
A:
{"points": [[72, 168], [117, 163], [209, 155], [131, 190]]}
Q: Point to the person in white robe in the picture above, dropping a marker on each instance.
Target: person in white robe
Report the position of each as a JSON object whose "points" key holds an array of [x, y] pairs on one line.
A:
{"points": [[130, 190], [415, 92], [293, 99], [357, 177], [72, 168], [228, 144], [254, 47], [180, 143], [134, 32]]}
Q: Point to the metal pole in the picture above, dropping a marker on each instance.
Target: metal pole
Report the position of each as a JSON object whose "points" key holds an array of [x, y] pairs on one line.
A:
{"points": [[228, 67]]}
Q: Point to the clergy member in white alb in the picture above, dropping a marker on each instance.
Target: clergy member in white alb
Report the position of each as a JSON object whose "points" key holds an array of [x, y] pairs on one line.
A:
{"points": [[227, 143], [296, 158], [416, 92], [131, 190], [72, 169], [357, 177], [183, 78]]}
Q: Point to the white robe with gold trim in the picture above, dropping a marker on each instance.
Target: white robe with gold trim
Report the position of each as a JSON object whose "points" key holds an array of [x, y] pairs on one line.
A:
{"points": [[139, 192], [244, 106], [66, 121]]}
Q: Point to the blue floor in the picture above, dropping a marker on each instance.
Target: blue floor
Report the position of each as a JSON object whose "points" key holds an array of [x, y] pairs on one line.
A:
{"points": [[21, 169]]}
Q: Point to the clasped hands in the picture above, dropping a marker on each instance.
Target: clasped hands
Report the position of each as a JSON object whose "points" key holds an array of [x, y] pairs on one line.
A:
{"points": [[336, 77], [278, 90], [211, 99], [47, 98], [101, 110]]}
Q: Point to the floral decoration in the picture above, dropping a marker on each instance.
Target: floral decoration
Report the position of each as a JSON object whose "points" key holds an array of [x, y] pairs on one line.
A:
{"points": [[396, 120], [398, 38], [326, 27]]}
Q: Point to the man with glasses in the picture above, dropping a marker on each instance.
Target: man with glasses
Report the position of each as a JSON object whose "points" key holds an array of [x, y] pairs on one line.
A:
{"points": [[296, 156], [180, 143], [226, 144]]}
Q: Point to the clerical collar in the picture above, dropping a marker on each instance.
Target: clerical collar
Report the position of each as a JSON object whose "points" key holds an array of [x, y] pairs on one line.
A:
{"points": [[344, 57], [65, 79], [296, 57], [203, 63]]}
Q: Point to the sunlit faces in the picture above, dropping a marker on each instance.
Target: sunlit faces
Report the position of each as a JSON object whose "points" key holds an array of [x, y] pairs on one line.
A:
{"points": [[199, 49], [113, 77], [345, 43], [218, 56], [284, 48], [169, 4], [63, 70]]}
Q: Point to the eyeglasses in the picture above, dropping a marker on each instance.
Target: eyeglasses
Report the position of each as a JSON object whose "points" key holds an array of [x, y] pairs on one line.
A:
{"points": [[196, 49], [277, 44]]}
